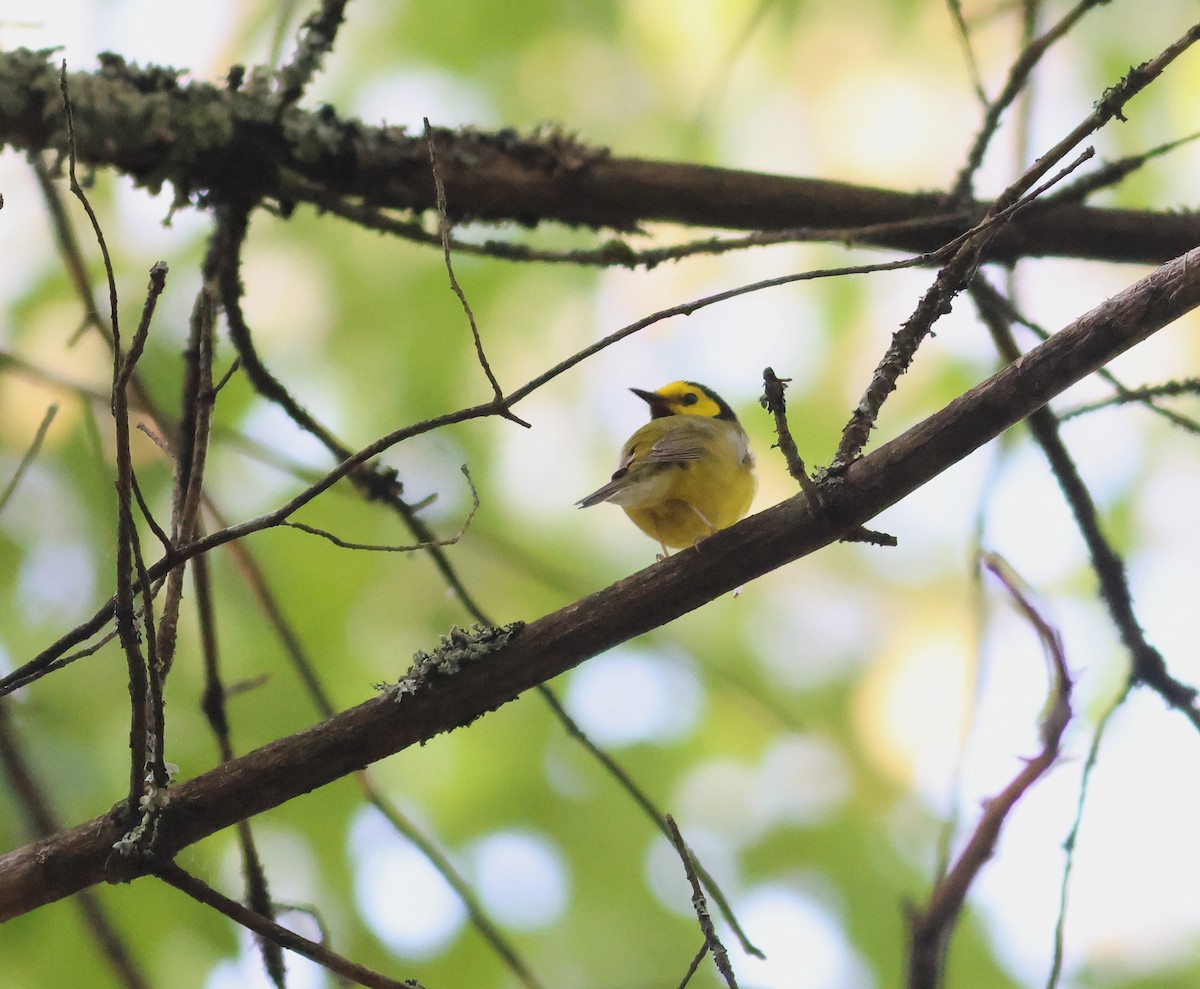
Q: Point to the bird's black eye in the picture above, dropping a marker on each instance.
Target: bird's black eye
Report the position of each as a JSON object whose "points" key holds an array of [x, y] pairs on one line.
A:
{"points": [[691, 398]]}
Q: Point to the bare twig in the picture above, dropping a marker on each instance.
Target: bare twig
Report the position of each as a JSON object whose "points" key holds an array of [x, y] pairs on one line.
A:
{"points": [[444, 226], [376, 548], [258, 895], [1073, 836], [983, 291], [264, 928], [1148, 665], [29, 456], [773, 401], [140, 742], [1110, 173], [189, 461], [486, 927], [953, 277], [964, 36], [44, 821], [932, 925], [700, 905], [1018, 76], [694, 966], [619, 253], [1143, 396], [658, 817]]}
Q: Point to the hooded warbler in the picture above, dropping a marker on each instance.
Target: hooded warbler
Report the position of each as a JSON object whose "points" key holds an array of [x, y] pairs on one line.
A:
{"points": [[685, 474]]}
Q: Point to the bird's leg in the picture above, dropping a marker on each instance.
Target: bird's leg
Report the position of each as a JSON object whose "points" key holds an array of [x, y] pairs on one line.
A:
{"points": [[703, 518]]}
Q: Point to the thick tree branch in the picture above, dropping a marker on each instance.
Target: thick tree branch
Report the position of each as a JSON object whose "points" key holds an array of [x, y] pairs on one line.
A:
{"points": [[230, 143], [73, 860]]}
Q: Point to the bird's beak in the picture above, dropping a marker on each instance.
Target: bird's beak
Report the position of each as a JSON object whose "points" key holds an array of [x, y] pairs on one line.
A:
{"points": [[658, 404]]}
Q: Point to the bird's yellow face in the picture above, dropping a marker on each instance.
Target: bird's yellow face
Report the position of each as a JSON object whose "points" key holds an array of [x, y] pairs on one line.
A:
{"points": [[685, 398]]}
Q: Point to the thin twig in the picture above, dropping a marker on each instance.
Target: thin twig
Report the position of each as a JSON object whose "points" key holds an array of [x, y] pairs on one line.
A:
{"points": [[139, 741], [317, 35], [484, 925], [1148, 665], [1142, 396], [376, 548], [983, 290], [700, 905], [658, 817], [29, 456], [964, 36], [44, 821], [932, 925], [1073, 836], [694, 966], [773, 401], [201, 892], [444, 227], [190, 459], [1018, 76], [951, 279], [1110, 173]]}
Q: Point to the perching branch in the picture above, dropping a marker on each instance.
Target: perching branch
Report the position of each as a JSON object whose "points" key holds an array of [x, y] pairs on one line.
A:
{"points": [[289, 767]]}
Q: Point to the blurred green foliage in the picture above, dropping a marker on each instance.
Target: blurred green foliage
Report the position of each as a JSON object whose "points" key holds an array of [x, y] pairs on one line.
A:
{"points": [[368, 337]]}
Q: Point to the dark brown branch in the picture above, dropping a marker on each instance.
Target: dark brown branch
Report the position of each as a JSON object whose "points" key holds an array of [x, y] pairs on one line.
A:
{"points": [[268, 929], [204, 139], [289, 767]]}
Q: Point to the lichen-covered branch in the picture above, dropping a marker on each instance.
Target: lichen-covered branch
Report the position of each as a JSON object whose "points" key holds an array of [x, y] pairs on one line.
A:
{"points": [[229, 143]]}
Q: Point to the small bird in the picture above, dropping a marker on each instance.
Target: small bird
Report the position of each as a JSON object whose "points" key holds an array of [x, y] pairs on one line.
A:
{"points": [[685, 474]]}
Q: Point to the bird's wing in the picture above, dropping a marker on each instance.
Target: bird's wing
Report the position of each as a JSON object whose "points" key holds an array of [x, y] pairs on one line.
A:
{"points": [[682, 444], [673, 449]]}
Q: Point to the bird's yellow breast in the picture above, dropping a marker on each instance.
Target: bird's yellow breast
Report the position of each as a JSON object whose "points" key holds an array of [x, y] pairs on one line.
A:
{"points": [[681, 501]]}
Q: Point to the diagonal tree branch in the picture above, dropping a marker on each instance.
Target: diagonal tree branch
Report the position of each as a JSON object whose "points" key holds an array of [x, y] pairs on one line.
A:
{"points": [[460, 685]]}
